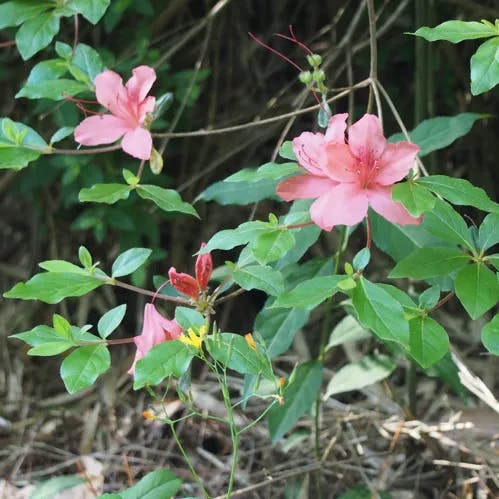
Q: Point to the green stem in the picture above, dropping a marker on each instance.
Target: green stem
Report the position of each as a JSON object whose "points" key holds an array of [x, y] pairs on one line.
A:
{"points": [[412, 386], [233, 433], [259, 418], [187, 460]]}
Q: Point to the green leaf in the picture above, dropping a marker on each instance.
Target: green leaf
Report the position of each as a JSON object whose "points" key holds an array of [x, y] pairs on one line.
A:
{"points": [[490, 335], [50, 69], [416, 198], [430, 262], [52, 89], [36, 33], [493, 259], [270, 246], [399, 240], [85, 257], [105, 193], [436, 133], [299, 396], [310, 293], [159, 484], [189, 318], [51, 488], [429, 298], [170, 358], [456, 31], [27, 147], [61, 134], [357, 375], [484, 65], [459, 192], [18, 11], [259, 277], [52, 287], [51, 348], [347, 331], [230, 238], [446, 223], [92, 10], [477, 288], [378, 311], [361, 259], [488, 234], [234, 352], [61, 326], [277, 327], [64, 50], [82, 367], [239, 193], [38, 336], [58, 266], [111, 320], [268, 171], [166, 199], [286, 151], [129, 261], [89, 61], [428, 342]]}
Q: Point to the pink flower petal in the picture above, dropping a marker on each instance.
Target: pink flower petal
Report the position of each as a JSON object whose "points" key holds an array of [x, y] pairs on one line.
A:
{"points": [[395, 162], [138, 143], [140, 83], [366, 139], [110, 91], [305, 186], [309, 150], [336, 128], [381, 202], [341, 165], [155, 330], [344, 204], [146, 107], [102, 129]]}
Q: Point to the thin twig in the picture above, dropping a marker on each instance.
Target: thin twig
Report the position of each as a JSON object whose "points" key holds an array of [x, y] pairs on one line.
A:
{"points": [[420, 167]]}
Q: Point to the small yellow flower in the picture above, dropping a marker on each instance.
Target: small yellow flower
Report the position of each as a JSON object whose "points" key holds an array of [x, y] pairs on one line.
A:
{"points": [[250, 341], [149, 415], [282, 382], [193, 339]]}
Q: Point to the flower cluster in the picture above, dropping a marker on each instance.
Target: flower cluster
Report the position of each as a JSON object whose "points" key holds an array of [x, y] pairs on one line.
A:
{"points": [[347, 175], [129, 106]]}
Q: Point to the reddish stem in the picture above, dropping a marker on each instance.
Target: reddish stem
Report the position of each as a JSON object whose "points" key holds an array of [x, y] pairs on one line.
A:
{"points": [[299, 226], [274, 51], [293, 39], [6, 44], [368, 233], [444, 300]]}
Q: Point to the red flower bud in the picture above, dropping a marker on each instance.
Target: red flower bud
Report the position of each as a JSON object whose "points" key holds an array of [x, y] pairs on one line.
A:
{"points": [[184, 283], [204, 268]]}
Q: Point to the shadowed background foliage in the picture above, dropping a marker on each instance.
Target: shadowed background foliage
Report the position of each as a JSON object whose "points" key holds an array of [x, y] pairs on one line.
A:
{"points": [[219, 78]]}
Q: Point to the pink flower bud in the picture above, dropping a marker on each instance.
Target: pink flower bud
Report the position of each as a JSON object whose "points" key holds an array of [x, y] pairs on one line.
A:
{"points": [[155, 330], [184, 283], [204, 268]]}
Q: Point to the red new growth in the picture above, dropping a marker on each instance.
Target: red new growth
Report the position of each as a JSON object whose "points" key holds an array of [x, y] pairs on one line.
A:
{"points": [[204, 268], [189, 286]]}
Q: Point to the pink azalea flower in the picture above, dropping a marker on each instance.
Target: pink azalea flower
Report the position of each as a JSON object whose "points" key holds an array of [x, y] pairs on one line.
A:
{"points": [[155, 330], [348, 176], [128, 105]]}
